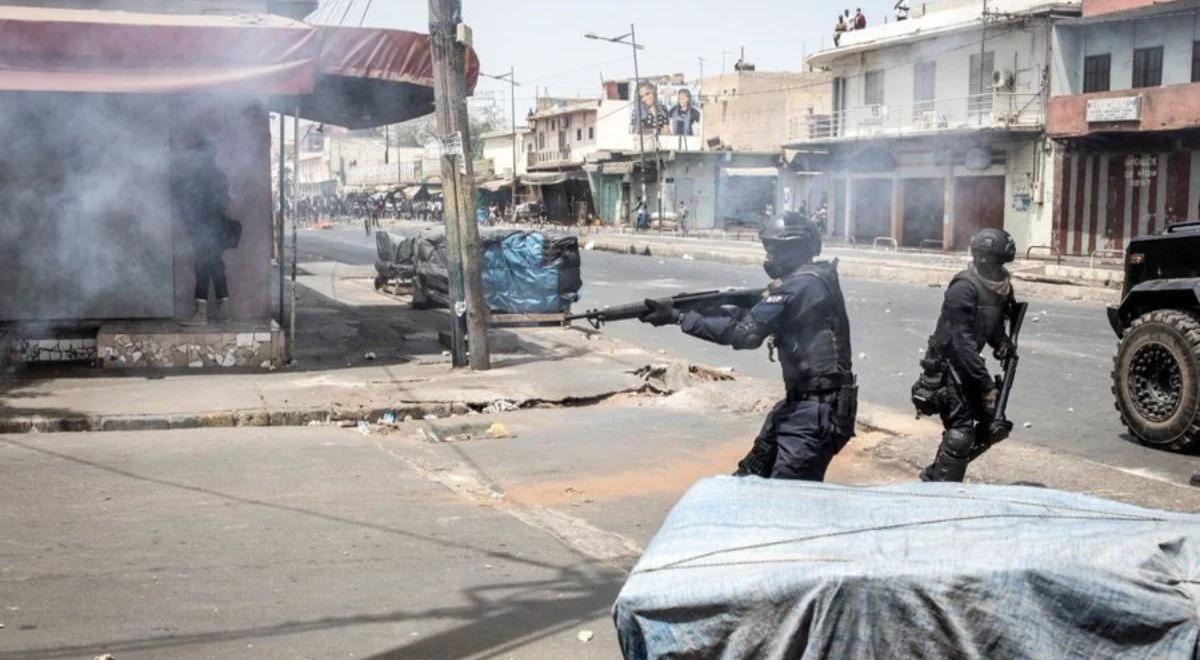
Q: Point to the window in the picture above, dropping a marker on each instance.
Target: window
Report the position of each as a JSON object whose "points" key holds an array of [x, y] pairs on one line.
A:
{"points": [[567, 121], [924, 74], [591, 132], [1196, 61], [1095, 73], [579, 135], [979, 82], [873, 88], [1147, 67], [554, 124]]}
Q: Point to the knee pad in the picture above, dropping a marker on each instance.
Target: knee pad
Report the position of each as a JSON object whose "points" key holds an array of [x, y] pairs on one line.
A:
{"points": [[957, 442]]}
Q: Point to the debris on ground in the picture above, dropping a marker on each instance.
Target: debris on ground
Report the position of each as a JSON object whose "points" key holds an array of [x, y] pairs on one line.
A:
{"points": [[497, 431], [585, 636], [369, 356], [688, 257], [364, 427], [388, 418], [499, 406], [590, 245]]}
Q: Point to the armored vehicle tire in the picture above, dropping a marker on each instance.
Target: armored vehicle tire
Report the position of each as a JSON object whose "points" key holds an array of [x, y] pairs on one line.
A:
{"points": [[1156, 379]]}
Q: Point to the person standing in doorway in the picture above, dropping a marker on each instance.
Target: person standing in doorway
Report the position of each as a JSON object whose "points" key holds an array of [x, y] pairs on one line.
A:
{"points": [[201, 194], [683, 218]]}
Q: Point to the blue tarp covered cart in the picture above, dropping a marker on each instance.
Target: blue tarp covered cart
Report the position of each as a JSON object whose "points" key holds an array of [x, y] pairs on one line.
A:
{"points": [[752, 568], [524, 272]]}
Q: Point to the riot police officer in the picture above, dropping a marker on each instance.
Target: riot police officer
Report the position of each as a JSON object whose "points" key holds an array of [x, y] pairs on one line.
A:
{"points": [[955, 383], [803, 316]]}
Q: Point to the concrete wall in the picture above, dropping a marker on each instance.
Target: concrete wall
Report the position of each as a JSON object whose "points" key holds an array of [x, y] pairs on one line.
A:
{"points": [[1095, 7], [499, 150], [753, 110]]}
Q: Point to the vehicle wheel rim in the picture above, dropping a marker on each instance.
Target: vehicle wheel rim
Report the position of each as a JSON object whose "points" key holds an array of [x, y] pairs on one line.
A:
{"points": [[1156, 382]]}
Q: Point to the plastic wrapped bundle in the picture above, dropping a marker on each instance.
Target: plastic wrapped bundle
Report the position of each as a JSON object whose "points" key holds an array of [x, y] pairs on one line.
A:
{"points": [[746, 567], [523, 272]]}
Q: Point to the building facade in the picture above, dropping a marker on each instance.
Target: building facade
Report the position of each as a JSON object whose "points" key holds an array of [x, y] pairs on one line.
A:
{"points": [[753, 110], [1126, 106], [562, 134], [500, 148], [936, 127]]}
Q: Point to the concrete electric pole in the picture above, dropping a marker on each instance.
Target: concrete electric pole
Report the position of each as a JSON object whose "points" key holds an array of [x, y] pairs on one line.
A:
{"points": [[468, 312]]}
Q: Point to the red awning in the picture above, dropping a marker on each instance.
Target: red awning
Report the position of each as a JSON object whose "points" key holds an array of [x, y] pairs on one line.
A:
{"points": [[371, 77], [354, 77], [73, 50]]}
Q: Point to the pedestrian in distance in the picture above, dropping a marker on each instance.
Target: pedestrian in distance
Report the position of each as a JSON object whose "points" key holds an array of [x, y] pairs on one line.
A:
{"points": [[683, 218], [902, 10], [201, 194], [954, 383], [860, 19], [803, 316]]}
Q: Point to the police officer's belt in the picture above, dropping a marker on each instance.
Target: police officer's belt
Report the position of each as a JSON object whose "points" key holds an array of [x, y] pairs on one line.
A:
{"points": [[815, 388]]}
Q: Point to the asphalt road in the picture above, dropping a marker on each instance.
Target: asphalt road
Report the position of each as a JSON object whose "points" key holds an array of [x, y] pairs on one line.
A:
{"points": [[1061, 392]]}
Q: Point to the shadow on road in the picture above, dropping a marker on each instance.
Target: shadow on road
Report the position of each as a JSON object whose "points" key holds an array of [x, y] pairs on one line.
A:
{"points": [[497, 618]]}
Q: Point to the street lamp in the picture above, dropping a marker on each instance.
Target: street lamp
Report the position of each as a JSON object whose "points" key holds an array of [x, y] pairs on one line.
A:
{"points": [[512, 86], [637, 80]]}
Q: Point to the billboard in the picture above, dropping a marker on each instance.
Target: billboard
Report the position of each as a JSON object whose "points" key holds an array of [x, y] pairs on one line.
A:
{"points": [[662, 108]]}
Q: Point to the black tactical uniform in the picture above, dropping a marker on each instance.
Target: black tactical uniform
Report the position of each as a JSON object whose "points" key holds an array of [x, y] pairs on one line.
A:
{"points": [[955, 383], [805, 317]]}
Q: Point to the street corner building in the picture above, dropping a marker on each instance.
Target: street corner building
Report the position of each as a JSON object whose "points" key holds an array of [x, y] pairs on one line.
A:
{"points": [[1125, 104], [936, 128], [97, 109]]}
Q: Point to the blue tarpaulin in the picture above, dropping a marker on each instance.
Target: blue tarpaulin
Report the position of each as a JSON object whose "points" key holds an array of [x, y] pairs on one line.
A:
{"points": [[523, 272], [518, 276], [753, 568]]}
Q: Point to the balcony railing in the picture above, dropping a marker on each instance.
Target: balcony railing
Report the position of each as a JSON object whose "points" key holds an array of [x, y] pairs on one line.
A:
{"points": [[550, 157], [993, 110]]}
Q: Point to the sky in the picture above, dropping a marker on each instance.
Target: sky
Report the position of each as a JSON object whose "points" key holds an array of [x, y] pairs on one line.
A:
{"points": [[543, 39]]}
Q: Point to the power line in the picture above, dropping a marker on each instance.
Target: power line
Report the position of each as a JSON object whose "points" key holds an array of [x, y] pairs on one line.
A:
{"points": [[364, 14], [347, 12]]}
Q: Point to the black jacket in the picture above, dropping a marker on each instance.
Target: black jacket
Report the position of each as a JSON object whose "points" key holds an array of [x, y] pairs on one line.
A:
{"points": [[201, 192], [972, 316], [807, 316]]}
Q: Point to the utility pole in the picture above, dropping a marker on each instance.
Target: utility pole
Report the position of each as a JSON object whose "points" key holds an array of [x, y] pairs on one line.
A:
{"points": [[983, 84], [637, 102], [468, 312]]}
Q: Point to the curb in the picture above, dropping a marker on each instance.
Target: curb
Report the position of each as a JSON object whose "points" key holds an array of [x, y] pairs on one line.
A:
{"points": [[853, 268], [249, 417]]}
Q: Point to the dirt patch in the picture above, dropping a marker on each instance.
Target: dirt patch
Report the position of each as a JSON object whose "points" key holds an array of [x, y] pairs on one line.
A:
{"points": [[855, 465]]}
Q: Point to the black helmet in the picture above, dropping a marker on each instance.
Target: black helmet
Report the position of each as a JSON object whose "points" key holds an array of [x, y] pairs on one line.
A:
{"points": [[800, 235], [996, 244]]}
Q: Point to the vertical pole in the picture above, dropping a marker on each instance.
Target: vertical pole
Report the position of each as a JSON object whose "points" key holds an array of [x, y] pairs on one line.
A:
{"points": [[512, 94], [282, 210], [983, 84], [637, 100], [468, 312], [289, 346]]}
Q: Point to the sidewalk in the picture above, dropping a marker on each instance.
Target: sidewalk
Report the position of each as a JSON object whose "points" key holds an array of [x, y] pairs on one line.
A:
{"points": [[1073, 279]]}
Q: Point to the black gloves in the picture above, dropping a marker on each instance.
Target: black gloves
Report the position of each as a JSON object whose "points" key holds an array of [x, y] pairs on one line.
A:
{"points": [[989, 399], [659, 313], [1004, 351]]}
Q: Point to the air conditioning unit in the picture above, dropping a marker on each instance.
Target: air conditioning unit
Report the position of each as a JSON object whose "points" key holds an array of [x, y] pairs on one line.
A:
{"points": [[1003, 81]]}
